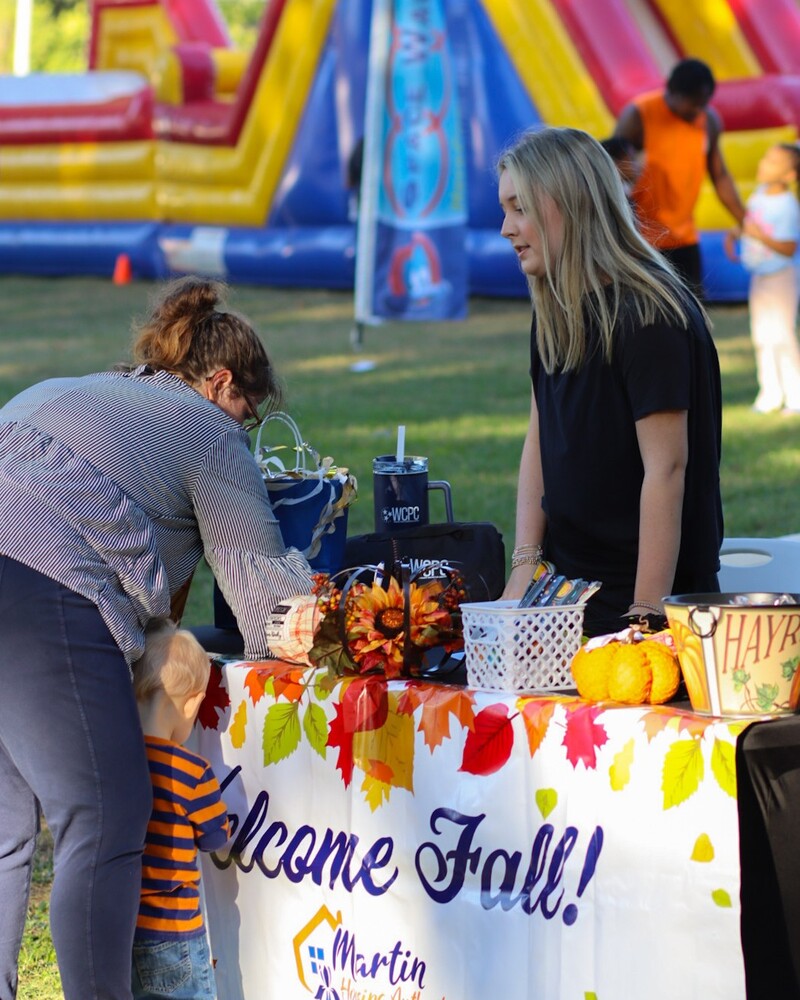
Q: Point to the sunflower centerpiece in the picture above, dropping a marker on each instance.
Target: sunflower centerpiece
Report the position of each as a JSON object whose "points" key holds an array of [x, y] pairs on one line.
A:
{"points": [[385, 625]]}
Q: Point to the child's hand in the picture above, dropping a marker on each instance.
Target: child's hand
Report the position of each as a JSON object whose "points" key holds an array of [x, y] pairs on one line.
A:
{"points": [[752, 229], [729, 244]]}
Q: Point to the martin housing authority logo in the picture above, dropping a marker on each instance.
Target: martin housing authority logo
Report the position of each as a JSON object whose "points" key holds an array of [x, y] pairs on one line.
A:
{"points": [[331, 967]]}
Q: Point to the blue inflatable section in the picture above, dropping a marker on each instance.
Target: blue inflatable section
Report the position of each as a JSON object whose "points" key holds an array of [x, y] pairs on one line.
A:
{"points": [[309, 238]]}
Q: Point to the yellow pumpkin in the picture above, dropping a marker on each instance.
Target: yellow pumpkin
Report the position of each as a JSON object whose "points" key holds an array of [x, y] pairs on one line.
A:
{"points": [[633, 673]]}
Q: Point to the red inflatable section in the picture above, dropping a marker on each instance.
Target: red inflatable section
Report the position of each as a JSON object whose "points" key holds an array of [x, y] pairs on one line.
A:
{"points": [[610, 44], [770, 26], [126, 117], [758, 102], [192, 20], [213, 123]]}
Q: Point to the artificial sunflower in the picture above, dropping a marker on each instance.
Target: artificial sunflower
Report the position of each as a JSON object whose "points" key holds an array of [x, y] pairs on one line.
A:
{"points": [[362, 627], [376, 626]]}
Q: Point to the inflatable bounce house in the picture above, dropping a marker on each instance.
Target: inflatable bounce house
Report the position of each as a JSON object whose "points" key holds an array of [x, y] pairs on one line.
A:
{"points": [[185, 155]]}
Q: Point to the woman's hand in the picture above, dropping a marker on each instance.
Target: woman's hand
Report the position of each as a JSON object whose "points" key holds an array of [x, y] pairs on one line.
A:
{"points": [[517, 583]]}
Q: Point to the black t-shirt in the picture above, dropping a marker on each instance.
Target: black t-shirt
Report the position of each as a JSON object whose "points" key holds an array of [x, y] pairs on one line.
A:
{"points": [[591, 465]]}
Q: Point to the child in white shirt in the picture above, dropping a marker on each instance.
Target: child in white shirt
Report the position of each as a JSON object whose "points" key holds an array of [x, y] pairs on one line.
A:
{"points": [[769, 238]]}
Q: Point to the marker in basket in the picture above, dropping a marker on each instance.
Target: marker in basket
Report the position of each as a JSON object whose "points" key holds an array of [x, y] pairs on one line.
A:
{"points": [[550, 592], [550, 589], [535, 588]]}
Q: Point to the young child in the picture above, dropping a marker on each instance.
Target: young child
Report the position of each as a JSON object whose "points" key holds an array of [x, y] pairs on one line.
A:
{"points": [[769, 238], [170, 951], [627, 159]]}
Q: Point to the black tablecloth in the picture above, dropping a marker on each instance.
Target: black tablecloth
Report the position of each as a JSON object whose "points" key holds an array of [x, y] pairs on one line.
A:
{"points": [[768, 779]]}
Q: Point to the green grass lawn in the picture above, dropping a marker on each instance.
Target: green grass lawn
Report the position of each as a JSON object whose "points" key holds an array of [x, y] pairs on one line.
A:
{"points": [[461, 389]]}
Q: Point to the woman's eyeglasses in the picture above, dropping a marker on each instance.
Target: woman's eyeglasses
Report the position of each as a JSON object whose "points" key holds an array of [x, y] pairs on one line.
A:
{"points": [[255, 419]]}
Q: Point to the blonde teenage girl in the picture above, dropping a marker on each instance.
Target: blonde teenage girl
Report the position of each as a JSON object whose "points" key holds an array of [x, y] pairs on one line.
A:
{"points": [[619, 477]]}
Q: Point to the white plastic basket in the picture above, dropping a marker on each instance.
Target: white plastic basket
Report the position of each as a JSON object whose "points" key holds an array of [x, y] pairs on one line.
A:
{"points": [[510, 648]]}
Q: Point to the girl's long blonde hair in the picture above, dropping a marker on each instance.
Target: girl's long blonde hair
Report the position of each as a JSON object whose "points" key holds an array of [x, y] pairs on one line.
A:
{"points": [[605, 268]]}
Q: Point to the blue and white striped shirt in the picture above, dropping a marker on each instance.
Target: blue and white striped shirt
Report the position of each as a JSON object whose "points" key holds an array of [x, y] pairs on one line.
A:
{"points": [[116, 484]]}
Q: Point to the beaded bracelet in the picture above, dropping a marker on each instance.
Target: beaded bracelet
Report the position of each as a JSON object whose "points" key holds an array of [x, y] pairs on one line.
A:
{"points": [[526, 555]]}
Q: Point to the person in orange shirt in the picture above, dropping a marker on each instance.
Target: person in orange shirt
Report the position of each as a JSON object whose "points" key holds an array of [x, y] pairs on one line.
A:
{"points": [[679, 135]]}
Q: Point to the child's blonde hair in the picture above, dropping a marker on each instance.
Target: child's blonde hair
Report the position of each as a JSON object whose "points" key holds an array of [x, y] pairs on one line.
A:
{"points": [[173, 661]]}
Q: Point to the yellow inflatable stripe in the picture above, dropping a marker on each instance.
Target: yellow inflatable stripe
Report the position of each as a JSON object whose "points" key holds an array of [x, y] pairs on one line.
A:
{"points": [[229, 67], [549, 65], [236, 186], [77, 162], [68, 203], [743, 150], [708, 30], [133, 38]]}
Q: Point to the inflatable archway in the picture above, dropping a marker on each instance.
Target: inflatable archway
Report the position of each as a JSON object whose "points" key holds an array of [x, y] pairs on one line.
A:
{"points": [[187, 155]]}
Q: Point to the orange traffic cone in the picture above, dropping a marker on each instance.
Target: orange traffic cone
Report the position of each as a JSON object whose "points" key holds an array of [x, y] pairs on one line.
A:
{"points": [[122, 270]]}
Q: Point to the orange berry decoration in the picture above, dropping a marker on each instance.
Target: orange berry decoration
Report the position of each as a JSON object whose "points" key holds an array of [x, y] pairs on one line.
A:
{"points": [[632, 673]]}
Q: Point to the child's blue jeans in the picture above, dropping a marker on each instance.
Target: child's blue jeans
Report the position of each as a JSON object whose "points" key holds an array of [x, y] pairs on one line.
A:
{"points": [[179, 969]]}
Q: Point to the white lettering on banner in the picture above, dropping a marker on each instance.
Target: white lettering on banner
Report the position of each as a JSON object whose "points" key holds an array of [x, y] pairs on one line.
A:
{"points": [[302, 856]]}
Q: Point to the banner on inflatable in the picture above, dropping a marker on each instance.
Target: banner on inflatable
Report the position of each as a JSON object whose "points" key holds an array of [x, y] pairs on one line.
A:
{"points": [[411, 255], [412, 841]]}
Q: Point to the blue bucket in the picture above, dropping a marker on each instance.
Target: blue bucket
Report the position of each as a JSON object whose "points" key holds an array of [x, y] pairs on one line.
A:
{"points": [[309, 521], [311, 518]]}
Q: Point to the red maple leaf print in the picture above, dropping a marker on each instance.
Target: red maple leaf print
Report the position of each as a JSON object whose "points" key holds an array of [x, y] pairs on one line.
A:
{"points": [[216, 700], [488, 746], [339, 736], [365, 704], [583, 736]]}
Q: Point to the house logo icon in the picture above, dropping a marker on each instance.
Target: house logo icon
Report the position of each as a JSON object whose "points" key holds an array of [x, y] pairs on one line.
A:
{"points": [[313, 948]]}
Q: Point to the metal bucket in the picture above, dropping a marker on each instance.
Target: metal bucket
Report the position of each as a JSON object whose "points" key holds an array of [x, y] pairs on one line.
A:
{"points": [[739, 653]]}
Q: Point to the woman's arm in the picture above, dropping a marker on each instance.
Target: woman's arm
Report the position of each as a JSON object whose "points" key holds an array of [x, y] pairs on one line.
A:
{"points": [[718, 170], [531, 520], [664, 447], [242, 541]]}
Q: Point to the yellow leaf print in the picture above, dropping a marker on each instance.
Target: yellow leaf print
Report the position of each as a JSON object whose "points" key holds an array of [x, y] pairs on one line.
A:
{"points": [[723, 766], [387, 753], [376, 792], [238, 725], [683, 772], [721, 897], [546, 800], [620, 770], [703, 849]]}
